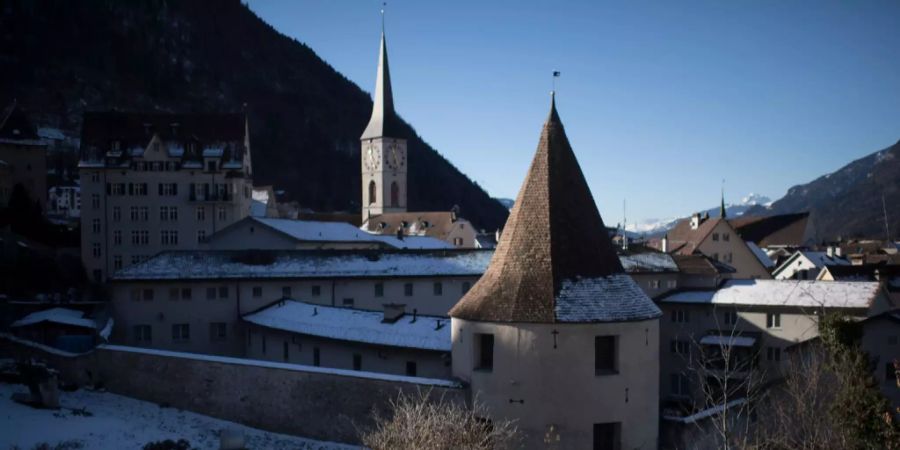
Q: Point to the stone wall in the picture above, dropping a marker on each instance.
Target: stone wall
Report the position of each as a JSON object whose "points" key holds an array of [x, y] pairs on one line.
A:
{"points": [[319, 403]]}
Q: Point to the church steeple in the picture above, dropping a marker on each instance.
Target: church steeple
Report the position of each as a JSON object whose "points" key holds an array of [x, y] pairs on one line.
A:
{"points": [[722, 206], [384, 122]]}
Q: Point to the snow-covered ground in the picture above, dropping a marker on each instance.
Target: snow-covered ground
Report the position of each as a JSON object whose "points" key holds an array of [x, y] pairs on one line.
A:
{"points": [[118, 422]]}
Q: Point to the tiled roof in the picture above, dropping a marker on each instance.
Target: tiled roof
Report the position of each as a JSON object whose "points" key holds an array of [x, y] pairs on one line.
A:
{"points": [[384, 121], [354, 325], [778, 230], [805, 293], [436, 224], [307, 230], [555, 261], [267, 264], [701, 265], [684, 241]]}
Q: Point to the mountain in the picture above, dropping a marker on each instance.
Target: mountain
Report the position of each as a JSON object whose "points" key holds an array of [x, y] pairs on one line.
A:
{"points": [[653, 227], [506, 202], [848, 202], [59, 58]]}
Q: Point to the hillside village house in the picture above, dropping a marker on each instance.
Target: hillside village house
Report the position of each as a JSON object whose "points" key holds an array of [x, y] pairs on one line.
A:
{"points": [[153, 182], [756, 320], [715, 237], [806, 264], [23, 156], [542, 338]]}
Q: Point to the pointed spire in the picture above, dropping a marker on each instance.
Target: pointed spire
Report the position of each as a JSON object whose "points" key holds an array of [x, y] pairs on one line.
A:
{"points": [[555, 261], [722, 206], [384, 122]]}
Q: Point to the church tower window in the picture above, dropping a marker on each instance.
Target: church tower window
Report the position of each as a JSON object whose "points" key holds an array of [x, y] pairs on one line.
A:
{"points": [[395, 195], [372, 195]]}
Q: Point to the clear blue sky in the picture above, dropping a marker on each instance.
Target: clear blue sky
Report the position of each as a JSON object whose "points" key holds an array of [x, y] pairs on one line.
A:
{"points": [[661, 100]]}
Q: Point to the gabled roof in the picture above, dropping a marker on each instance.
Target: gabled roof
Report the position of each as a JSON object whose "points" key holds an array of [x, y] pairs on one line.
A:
{"points": [[63, 316], [684, 241], [778, 230], [699, 264], [438, 224], [311, 231], [818, 259], [354, 325], [555, 261], [384, 121]]}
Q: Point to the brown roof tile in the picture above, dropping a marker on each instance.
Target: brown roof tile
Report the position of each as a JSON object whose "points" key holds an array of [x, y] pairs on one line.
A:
{"points": [[554, 262], [765, 231], [684, 241]]}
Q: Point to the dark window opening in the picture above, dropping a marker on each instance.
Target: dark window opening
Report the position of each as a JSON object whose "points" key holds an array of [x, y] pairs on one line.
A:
{"points": [[605, 355], [485, 352], [411, 368], [357, 361]]}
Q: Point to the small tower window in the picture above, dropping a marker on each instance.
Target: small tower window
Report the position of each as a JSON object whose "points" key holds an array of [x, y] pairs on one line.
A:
{"points": [[484, 352], [395, 195], [372, 194], [605, 355]]}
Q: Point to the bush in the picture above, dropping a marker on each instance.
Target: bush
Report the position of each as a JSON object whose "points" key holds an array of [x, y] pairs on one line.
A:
{"points": [[420, 422]]}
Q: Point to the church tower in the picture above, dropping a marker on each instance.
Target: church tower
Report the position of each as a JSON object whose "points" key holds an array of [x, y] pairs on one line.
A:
{"points": [[384, 159]]}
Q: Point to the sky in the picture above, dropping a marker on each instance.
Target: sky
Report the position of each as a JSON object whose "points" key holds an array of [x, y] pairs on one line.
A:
{"points": [[661, 100]]}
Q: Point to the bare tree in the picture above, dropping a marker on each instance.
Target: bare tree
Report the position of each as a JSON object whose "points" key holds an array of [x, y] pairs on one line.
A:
{"points": [[422, 422]]}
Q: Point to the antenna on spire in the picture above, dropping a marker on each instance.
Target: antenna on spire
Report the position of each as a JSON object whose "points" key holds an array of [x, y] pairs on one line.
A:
{"points": [[383, 5], [555, 76]]}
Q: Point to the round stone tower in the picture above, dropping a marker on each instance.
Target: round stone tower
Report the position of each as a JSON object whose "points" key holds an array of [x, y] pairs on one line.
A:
{"points": [[555, 335]]}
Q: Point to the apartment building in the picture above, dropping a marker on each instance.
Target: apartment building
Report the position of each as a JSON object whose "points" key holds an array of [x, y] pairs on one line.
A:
{"points": [[755, 321], [154, 182], [196, 301]]}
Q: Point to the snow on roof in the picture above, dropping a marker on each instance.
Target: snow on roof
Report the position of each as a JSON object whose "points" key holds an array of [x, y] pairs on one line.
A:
{"points": [[284, 366], [648, 262], [213, 152], [728, 341], [821, 259], [761, 255], [612, 298], [802, 293], [423, 332], [240, 264], [310, 230], [63, 316], [706, 413], [51, 133]]}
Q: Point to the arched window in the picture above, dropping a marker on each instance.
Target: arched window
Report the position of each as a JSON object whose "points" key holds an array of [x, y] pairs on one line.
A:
{"points": [[395, 195], [372, 195]]}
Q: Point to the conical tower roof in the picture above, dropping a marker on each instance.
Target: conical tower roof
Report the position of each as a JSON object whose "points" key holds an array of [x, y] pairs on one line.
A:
{"points": [[555, 261], [384, 121]]}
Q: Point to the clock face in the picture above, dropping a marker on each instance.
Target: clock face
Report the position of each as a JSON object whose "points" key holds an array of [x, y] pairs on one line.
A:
{"points": [[396, 158], [371, 157]]}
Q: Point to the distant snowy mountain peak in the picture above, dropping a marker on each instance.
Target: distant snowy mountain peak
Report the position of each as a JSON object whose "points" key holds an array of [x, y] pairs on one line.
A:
{"points": [[732, 210], [755, 199]]}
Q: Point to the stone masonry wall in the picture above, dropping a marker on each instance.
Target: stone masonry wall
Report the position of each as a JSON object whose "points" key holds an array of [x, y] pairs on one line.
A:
{"points": [[275, 397]]}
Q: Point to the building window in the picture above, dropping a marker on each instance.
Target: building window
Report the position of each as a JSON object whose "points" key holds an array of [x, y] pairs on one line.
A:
{"points": [[116, 214], [347, 302], [606, 436], [681, 316], [726, 237], [465, 287], [181, 332], [140, 237], [186, 293], [379, 289], [95, 250], [95, 177], [316, 357], [357, 361], [168, 213], [731, 317], [411, 368], [201, 214], [316, 290], [773, 354], [168, 189], [168, 237], [257, 291], [218, 331], [408, 289], [484, 352], [679, 384], [672, 284], [605, 355], [223, 214], [223, 291], [143, 334], [372, 196], [395, 195], [773, 320], [679, 347], [654, 284], [210, 293], [458, 241], [95, 201], [715, 236], [438, 288], [117, 262], [201, 236], [286, 291]]}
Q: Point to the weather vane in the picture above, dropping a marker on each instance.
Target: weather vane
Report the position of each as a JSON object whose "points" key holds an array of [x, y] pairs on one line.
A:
{"points": [[555, 76], [383, 5]]}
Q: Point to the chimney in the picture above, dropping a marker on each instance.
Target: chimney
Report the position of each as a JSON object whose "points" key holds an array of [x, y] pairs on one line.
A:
{"points": [[400, 233], [664, 243], [393, 312], [838, 252], [695, 221], [830, 251]]}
